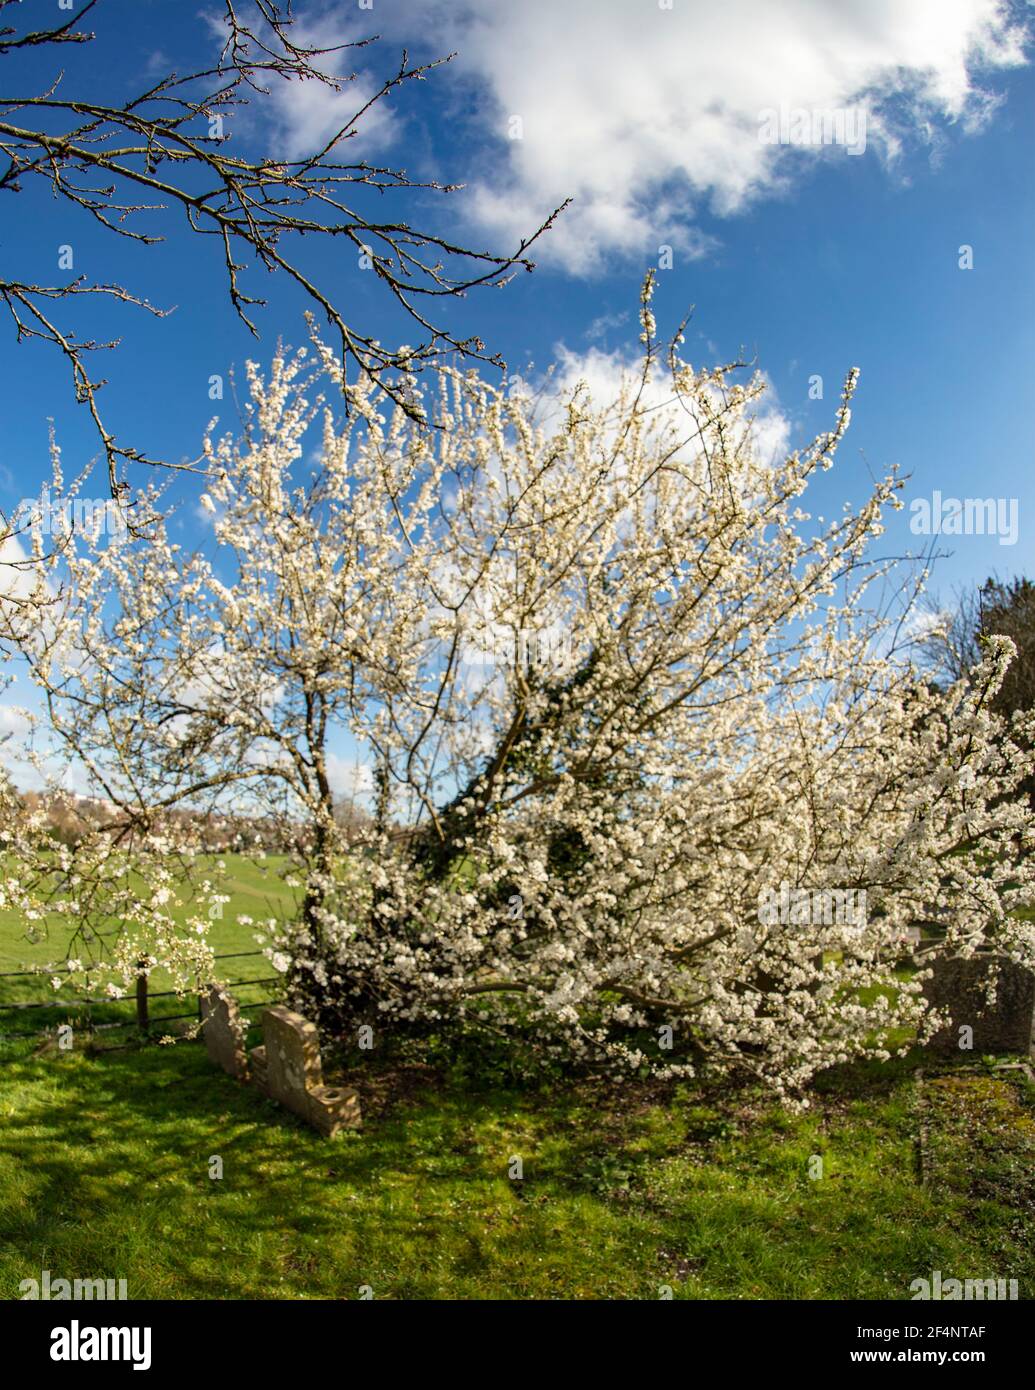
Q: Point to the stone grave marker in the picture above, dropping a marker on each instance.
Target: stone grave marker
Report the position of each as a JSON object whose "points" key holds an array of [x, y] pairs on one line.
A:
{"points": [[223, 1032], [294, 1074], [258, 1070], [958, 985]]}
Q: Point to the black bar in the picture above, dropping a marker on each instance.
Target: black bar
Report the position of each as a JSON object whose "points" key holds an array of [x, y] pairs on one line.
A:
{"points": [[752, 1336]]}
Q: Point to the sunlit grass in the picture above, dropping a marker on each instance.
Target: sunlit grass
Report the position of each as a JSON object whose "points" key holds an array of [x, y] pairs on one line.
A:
{"points": [[104, 1171]]}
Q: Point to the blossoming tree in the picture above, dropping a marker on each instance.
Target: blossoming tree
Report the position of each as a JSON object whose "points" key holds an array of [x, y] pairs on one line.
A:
{"points": [[611, 684]]}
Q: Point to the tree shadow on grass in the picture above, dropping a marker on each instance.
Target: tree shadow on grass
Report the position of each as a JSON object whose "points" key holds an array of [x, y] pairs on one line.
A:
{"points": [[108, 1159], [104, 1171], [136, 1131], [112, 1155]]}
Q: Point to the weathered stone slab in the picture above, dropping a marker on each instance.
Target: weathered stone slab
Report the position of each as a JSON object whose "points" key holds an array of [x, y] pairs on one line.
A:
{"points": [[223, 1032], [959, 986], [333, 1108], [292, 1058], [294, 1074], [258, 1070]]}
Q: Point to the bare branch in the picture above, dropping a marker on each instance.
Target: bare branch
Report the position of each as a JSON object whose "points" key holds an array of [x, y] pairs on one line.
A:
{"points": [[165, 148]]}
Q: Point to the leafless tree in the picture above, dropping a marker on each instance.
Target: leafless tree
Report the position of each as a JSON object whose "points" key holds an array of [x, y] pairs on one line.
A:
{"points": [[953, 645], [949, 646]]}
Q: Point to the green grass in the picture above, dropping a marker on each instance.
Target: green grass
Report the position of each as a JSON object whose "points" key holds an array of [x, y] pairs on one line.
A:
{"points": [[104, 1173], [104, 1163]]}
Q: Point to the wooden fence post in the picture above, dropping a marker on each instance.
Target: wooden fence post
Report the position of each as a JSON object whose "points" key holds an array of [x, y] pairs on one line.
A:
{"points": [[142, 998]]}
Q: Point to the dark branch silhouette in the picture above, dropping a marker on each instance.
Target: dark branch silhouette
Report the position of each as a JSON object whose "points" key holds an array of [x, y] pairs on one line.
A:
{"points": [[166, 148]]}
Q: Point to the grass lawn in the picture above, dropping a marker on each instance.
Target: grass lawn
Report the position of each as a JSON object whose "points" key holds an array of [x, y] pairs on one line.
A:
{"points": [[104, 1172]]}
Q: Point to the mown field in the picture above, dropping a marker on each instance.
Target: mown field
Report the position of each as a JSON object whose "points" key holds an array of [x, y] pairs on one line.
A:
{"points": [[256, 890], [627, 1191]]}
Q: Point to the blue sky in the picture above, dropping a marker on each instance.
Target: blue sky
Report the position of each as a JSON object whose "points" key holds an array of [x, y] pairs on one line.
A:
{"points": [[648, 115]]}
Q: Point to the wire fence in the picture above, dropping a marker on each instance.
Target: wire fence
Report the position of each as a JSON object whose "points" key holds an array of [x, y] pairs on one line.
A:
{"points": [[143, 1020]]}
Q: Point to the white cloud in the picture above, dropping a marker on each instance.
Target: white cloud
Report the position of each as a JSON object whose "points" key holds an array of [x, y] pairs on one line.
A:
{"points": [[307, 115], [603, 324], [349, 778], [16, 575], [19, 586], [603, 374], [646, 116], [310, 115], [14, 720], [924, 623]]}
